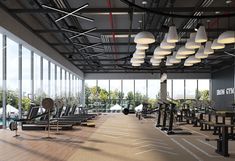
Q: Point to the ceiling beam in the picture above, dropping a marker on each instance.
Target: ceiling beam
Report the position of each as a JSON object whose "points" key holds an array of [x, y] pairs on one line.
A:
{"points": [[126, 31], [126, 10]]}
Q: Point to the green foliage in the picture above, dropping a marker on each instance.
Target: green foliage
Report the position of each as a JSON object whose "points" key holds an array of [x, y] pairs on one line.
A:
{"points": [[26, 103], [12, 98]]}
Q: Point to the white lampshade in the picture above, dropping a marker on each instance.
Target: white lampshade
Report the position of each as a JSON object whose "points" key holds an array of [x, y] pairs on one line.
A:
{"points": [[200, 53], [158, 56], [168, 61], [208, 49], [142, 46], [137, 61], [155, 64], [172, 36], [187, 64], [160, 51], [136, 64], [144, 37], [191, 44], [183, 51], [177, 56], [165, 45], [216, 45], [137, 56], [192, 60], [227, 37], [173, 59], [156, 61], [140, 52], [201, 35]]}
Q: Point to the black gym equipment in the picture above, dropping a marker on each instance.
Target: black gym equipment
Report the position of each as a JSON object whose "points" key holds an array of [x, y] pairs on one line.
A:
{"points": [[223, 140]]}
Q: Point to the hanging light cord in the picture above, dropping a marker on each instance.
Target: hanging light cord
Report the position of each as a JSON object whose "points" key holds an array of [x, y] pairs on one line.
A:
{"points": [[174, 15]]}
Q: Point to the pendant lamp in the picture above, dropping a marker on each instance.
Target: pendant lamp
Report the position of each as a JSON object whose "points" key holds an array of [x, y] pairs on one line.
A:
{"points": [[187, 64], [144, 37], [208, 49], [136, 64], [227, 37], [191, 44], [168, 61], [142, 46], [183, 51], [216, 45], [138, 61], [172, 36], [192, 60], [200, 53], [137, 56], [140, 52], [160, 51], [153, 60], [201, 35], [173, 59], [158, 56], [165, 45]]}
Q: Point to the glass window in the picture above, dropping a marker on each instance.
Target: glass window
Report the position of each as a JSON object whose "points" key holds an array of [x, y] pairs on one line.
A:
{"points": [[67, 84], [52, 81], [115, 91], [178, 89], [169, 88], [37, 73], [63, 83], [153, 88], [104, 84], [140, 91], [12, 73], [128, 88], [45, 76], [103, 89], [26, 72], [128, 91], [203, 89], [58, 89], [190, 88]]}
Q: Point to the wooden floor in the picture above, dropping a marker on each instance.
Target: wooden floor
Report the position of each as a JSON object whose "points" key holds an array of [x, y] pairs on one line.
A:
{"points": [[116, 138]]}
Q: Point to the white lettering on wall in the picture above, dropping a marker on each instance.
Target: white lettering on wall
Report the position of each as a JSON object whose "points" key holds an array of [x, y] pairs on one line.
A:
{"points": [[220, 92]]}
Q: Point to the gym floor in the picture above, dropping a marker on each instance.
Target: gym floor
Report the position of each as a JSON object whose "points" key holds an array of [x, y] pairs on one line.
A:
{"points": [[116, 138]]}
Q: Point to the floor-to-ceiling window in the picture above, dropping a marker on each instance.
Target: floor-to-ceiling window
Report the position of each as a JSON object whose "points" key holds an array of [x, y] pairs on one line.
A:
{"points": [[178, 89], [37, 79], [1, 62], [190, 88], [26, 78], [128, 91], [52, 81], [203, 89], [103, 90], [153, 91], [116, 94], [45, 77], [169, 88], [140, 91], [12, 66], [90, 92], [58, 89], [63, 83]]}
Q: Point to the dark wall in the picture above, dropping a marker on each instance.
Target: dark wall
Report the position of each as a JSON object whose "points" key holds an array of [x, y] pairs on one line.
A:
{"points": [[222, 80]]}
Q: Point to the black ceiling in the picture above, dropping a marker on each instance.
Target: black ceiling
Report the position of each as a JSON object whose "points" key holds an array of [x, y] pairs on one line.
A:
{"points": [[116, 24]]}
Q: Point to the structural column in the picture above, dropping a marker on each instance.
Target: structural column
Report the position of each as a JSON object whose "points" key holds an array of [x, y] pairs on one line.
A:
{"points": [[83, 93], [163, 87], [4, 78], [20, 81], [32, 76]]}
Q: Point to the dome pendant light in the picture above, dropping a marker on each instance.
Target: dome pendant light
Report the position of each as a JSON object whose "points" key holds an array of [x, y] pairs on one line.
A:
{"points": [[136, 64], [183, 51], [192, 60], [173, 59], [191, 44], [216, 45], [172, 36], [187, 64], [208, 49], [201, 35], [227, 37], [160, 51], [142, 46], [200, 53], [165, 45], [144, 37]]}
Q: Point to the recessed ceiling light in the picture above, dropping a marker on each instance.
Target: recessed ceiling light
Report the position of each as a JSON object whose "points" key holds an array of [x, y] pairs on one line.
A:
{"points": [[140, 21], [217, 12], [144, 2], [228, 1]]}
